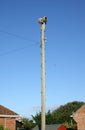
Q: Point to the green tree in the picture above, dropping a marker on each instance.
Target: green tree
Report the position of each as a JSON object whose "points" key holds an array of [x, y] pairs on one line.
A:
{"points": [[60, 115], [37, 118], [50, 119], [64, 112], [28, 124]]}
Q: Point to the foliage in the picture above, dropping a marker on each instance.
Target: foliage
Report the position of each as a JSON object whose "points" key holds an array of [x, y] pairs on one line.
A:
{"points": [[70, 126], [64, 112], [6, 129], [50, 119], [61, 115], [37, 118], [67, 125], [28, 124], [2, 127]]}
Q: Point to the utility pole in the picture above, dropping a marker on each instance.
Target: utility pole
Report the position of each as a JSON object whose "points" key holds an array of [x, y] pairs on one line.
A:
{"points": [[42, 22]]}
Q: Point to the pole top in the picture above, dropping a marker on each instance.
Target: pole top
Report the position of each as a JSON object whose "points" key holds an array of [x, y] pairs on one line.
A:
{"points": [[43, 20]]}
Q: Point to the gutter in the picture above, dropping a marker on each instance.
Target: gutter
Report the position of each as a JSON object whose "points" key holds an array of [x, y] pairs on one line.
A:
{"points": [[18, 117], [10, 116]]}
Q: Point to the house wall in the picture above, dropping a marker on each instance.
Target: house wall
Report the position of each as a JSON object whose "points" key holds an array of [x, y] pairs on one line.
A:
{"points": [[8, 123], [80, 120]]}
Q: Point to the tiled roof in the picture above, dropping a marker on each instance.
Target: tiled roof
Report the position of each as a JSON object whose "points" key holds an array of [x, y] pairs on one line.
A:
{"points": [[48, 127], [53, 127], [6, 111]]}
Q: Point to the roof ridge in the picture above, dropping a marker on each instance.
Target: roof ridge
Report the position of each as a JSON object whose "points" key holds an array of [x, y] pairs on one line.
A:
{"points": [[79, 109]]}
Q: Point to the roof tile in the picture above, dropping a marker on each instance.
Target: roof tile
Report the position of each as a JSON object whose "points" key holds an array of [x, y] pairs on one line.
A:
{"points": [[6, 111]]}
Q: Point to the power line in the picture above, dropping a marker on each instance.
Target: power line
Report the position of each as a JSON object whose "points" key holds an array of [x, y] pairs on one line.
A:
{"points": [[20, 37], [17, 36], [16, 50], [13, 50]]}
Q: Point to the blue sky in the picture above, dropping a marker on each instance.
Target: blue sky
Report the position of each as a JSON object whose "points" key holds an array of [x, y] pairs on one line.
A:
{"points": [[20, 53]]}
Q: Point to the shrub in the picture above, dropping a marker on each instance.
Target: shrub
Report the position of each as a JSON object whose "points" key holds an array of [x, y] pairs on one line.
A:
{"points": [[2, 128]]}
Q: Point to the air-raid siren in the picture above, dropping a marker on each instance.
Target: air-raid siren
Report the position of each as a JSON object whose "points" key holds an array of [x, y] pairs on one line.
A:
{"points": [[43, 20]]}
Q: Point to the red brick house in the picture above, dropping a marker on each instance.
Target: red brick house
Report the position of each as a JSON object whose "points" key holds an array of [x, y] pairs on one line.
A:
{"points": [[79, 117], [8, 118]]}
